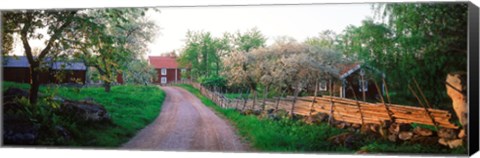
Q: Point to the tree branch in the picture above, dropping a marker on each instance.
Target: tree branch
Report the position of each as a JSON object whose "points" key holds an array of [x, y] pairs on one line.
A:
{"points": [[24, 38], [56, 35]]}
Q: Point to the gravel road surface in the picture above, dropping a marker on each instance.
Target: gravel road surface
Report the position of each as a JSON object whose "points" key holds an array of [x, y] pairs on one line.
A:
{"points": [[186, 124]]}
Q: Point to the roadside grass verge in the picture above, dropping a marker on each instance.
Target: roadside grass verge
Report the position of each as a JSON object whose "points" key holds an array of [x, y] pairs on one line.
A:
{"points": [[286, 135], [131, 107]]}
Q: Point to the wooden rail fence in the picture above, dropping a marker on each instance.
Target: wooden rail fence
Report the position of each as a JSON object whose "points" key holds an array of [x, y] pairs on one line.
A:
{"points": [[346, 110]]}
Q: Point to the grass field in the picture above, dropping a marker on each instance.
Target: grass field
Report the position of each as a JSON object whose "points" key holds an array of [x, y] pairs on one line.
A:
{"points": [[131, 107], [288, 135]]}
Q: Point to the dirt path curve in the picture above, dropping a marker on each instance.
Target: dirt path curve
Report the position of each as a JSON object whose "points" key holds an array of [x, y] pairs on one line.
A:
{"points": [[186, 124]]}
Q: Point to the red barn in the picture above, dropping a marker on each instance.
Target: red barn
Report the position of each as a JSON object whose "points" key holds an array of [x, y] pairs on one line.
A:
{"points": [[167, 69], [17, 69]]}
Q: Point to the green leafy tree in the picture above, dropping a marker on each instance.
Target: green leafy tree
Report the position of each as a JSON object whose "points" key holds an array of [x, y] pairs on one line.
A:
{"points": [[423, 41], [248, 40], [203, 53], [139, 72], [325, 39], [112, 39], [26, 24]]}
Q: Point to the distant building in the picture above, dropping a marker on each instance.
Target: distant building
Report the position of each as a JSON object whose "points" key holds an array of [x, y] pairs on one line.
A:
{"points": [[17, 69], [167, 68], [353, 81]]}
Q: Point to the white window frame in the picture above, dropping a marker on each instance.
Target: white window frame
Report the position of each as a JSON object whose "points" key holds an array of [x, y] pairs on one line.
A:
{"points": [[322, 86], [163, 71], [183, 70], [163, 80], [365, 85]]}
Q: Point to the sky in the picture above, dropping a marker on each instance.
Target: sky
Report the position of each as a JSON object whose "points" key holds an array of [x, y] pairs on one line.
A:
{"points": [[297, 21], [273, 21]]}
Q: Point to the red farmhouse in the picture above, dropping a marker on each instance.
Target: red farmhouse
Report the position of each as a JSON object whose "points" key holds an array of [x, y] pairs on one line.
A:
{"points": [[167, 69]]}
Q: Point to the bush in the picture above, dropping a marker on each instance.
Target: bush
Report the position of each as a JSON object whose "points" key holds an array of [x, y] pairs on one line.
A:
{"points": [[213, 81]]}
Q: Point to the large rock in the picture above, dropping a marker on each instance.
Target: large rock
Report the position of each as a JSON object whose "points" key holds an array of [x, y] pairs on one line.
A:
{"points": [[19, 130], [85, 111], [456, 84], [247, 112], [349, 140], [279, 114], [451, 143], [396, 128], [9, 97], [316, 118], [447, 134], [424, 140], [405, 135], [392, 137], [422, 131], [15, 92]]}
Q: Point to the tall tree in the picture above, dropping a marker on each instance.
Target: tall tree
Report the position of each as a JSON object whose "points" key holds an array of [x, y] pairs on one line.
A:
{"points": [[434, 35], [248, 40], [203, 53], [112, 39], [139, 72], [424, 41], [26, 24], [325, 39]]}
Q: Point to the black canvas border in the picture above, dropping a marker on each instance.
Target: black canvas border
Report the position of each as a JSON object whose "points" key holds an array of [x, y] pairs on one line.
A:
{"points": [[473, 97]]}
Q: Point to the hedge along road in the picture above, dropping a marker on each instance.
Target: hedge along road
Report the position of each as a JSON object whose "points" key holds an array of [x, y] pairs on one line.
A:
{"points": [[185, 123]]}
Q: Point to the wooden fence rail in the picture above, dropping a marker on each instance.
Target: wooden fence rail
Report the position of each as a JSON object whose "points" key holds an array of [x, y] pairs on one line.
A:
{"points": [[346, 110]]}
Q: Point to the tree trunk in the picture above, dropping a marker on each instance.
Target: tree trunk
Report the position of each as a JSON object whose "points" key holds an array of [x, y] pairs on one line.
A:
{"points": [[34, 83], [238, 99], [265, 97], [107, 86], [363, 90], [245, 99], [278, 99], [314, 98], [295, 95], [254, 98], [218, 67]]}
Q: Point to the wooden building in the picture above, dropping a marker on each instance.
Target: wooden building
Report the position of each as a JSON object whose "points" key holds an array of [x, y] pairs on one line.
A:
{"points": [[68, 72], [167, 68], [17, 69], [355, 81]]}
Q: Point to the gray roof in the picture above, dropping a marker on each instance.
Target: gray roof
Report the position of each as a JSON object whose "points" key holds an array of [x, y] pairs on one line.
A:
{"points": [[22, 62], [19, 61], [68, 66]]}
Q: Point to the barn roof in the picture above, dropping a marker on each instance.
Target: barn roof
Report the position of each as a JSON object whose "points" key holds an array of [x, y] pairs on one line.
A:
{"points": [[19, 61], [22, 62], [348, 69], [163, 62], [68, 66]]}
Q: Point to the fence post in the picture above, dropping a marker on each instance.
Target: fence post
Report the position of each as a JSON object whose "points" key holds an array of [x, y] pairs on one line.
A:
{"points": [[425, 107], [385, 105], [330, 119]]}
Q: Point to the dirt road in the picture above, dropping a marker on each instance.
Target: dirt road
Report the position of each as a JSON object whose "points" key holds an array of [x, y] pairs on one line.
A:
{"points": [[186, 124]]}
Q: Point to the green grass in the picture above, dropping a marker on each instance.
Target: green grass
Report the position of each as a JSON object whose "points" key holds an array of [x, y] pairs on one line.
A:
{"points": [[287, 135], [233, 95], [131, 107]]}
